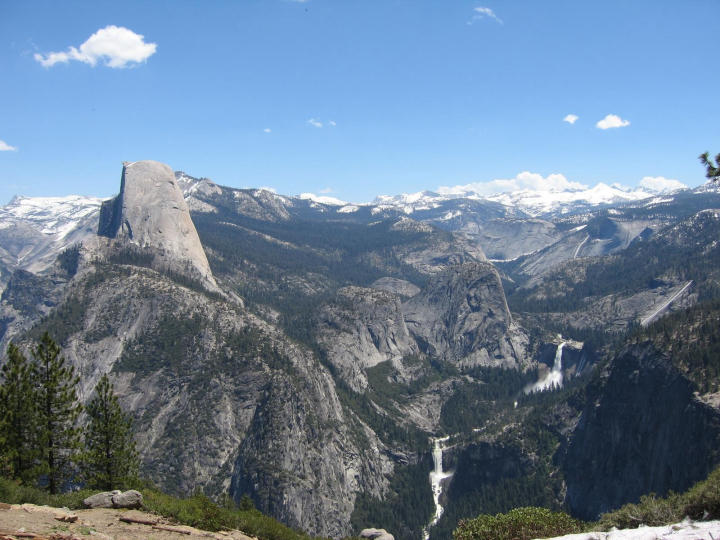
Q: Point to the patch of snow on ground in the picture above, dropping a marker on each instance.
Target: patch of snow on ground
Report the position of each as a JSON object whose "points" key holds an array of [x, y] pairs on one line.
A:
{"points": [[686, 530]]}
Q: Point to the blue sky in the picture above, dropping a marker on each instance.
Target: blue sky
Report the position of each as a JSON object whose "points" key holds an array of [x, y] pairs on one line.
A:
{"points": [[355, 98]]}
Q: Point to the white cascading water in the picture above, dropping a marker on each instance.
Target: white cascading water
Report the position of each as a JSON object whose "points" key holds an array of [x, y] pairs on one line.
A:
{"points": [[436, 477], [553, 379]]}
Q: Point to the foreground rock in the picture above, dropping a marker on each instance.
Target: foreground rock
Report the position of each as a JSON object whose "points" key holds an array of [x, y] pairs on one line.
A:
{"points": [[376, 534], [687, 530], [115, 499], [32, 521]]}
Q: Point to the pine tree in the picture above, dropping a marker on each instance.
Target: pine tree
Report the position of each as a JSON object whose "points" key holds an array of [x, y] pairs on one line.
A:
{"points": [[712, 170], [110, 459], [18, 417], [58, 411]]}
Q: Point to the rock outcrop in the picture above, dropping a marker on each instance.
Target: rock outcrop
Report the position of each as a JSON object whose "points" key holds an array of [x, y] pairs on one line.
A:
{"points": [[150, 214], [642, 431], [362, 328], [376, 534], [115, 499], [461, 316]]}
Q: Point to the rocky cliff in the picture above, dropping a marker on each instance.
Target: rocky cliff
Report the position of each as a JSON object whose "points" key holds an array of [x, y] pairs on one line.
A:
{"points": [[361, 328], [461, 316], [643, 430], [150, 213]]}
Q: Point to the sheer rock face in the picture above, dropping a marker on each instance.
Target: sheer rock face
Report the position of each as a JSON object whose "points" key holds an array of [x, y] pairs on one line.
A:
{"points": [[150, 213], [362, 328], [462, 316], [642, 430]]}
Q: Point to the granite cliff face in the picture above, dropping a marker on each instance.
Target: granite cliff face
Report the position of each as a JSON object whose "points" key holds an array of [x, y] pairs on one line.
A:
{"points": [[643, 430], [461, 316], [360, 329], [150, 213]]}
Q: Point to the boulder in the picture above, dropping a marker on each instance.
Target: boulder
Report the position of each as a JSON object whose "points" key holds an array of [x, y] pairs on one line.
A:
{"points": [[115, 499], [101, 500], [128, 499], [376, 534]]}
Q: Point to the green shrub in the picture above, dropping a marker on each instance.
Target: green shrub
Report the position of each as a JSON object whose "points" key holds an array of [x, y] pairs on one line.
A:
{"points": [[13, 492], [518, 524], [201, 512], [652, 511], [702, 501]]}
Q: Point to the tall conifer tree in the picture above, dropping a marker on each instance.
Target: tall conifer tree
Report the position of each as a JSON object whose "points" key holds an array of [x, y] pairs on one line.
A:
{"points": [[58, 411], [110, 459], [18, 417]]}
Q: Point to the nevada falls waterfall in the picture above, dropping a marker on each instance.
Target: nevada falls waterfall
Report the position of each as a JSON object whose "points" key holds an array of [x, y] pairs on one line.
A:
{"points": [[436, 477]]}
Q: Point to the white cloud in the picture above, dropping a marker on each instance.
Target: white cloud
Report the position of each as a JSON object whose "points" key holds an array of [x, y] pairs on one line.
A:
{"points": [[5, 147], [660, 183], [116, 45], [326, 190], [483, 12], [315, 123], [267, 130], [571, 118], [524, 181], [332, 123], [612, 121]]}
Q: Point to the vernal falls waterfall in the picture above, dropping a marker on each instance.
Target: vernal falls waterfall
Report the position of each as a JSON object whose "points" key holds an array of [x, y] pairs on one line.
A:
{"points": [[554, 379], [436, 477]]}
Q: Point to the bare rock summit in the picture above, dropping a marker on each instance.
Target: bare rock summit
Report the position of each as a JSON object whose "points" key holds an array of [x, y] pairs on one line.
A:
{"points": [[150, 215]]}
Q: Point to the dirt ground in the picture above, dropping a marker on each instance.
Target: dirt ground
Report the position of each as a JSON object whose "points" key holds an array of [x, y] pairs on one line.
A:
{"points": [[44, 522]]}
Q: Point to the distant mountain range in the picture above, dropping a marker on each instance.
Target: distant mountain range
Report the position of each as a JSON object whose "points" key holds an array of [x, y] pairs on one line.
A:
{"points": [[33, 230]]}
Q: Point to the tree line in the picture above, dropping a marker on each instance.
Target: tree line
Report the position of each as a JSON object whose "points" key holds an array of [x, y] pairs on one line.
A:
{"points": [[46, 440]]}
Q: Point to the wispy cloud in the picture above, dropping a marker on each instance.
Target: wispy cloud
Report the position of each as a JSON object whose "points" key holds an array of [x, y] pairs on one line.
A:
{"points": [[116, 45], [660, 183], [524, 181], [314, 122], [612, 121], [483, 13], [267, 130], [326, 190], [571, 118], [5, 147]]}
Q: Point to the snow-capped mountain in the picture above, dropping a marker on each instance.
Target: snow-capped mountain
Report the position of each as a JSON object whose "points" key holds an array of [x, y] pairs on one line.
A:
{"points": [[34, 230], [534, 203], [53, 216]]}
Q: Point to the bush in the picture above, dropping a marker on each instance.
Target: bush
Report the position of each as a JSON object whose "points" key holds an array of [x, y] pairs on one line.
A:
{"points": [[201, 512], [518, 524], [702, 501], [13, 492]]}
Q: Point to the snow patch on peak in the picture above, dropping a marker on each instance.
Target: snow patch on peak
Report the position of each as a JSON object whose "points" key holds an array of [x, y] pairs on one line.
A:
{"points": [[322, 199], [50, 215]]}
